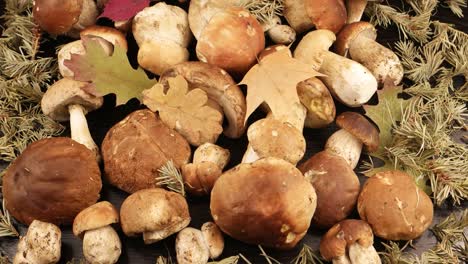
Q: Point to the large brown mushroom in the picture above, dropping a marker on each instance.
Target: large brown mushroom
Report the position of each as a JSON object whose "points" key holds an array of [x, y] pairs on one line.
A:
{"points": [[52, 181], [137, 147]]}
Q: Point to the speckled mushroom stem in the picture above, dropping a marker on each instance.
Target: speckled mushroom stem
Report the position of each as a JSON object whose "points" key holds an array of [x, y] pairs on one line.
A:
{"points": [[361, 254], [79, 129], [355, 10], [345, 145]]}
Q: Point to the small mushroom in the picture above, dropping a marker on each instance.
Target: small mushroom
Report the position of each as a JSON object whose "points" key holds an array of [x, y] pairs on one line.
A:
{"points": [[135, 149], [65, 17], [355, 131], [314, 95], [66, 100], [52, 181], [349, 242], [355, 10], [278, 33], [336, 185], [394, 206], [41, 245], [155, 213], [101, 244], [268, 202], [191, 247], [213, 238], [358, 41], [348, 81]]}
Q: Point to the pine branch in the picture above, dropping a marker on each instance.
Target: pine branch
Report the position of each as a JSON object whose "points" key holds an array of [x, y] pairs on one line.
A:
{"points": [[456, 6], [263, 10], [228, 260], [6, 227], [171, 177], [308, 256], [394, 254], [451, 229]]}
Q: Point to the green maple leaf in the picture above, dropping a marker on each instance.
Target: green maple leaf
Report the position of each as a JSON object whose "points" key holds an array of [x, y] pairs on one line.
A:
{"points": [[108, 74]]}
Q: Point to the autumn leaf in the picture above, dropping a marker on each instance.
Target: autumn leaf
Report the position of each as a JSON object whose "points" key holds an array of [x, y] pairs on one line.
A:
{"points": [[108, 74], [120, 10], [185, 111], [273, 81]]}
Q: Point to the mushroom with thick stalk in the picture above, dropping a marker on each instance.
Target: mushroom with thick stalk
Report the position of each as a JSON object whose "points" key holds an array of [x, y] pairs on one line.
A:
{"points": [[41, 244], [155, 213], [336, 185], [358, 41], [356, 9], [51, 181], [191, 247], [66, 100], [278, 33], [349, 242], [213, 238], [355, 131], [394, 206], [348, 81], [101, 244]]}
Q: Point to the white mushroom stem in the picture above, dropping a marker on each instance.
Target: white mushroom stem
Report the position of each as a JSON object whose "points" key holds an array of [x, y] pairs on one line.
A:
{"points": [[79, 129], [282, 34], [359, 254], [341, 260], [102, 245], [158, 235], [345, 145], [355, 10]]}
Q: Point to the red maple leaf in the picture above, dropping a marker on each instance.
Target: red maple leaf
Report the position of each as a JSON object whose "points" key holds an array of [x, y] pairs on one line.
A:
{"points": [[120, 10]]}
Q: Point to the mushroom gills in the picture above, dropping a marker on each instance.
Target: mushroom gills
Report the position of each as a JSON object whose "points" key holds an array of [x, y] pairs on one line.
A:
{"points": [[150, 237]]}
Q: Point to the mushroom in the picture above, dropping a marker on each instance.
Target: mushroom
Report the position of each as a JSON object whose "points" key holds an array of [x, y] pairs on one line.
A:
{"points": [[135, 149], [51, 181], [220, 88], [349, 242], [336, 185], [66, 100], [348, 81], [213, 238], [41, 245], [358, 41], [302, 15], [191, 247], [163, 34], [278, 33], [155, 212], [394, 206], [65, 17], [356, 9], [355, 131], [101, 244], [209, 161], [268, 202]]}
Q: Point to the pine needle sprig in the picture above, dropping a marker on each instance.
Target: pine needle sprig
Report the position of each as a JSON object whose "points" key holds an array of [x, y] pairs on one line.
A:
{"points": [[171, 177], [456, 6], [308, 256], [164, 260], [228, 260], [269, 259], [394, 254], [6, 226], [263, 10], [452, 228]]}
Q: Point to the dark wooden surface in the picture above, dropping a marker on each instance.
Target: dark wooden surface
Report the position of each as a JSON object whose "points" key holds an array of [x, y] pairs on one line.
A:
{"points": [[134, 251]]}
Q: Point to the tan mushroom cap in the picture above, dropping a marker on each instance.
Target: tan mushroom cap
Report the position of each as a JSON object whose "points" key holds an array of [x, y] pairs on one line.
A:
{"points": [[361, 128], [316, 97], [327, 14], [394, 206], [345, 233], [199, 178], [336, 185], [268, 202], [350, 32], [96, 216], [57, 16], [65, 92], [112, 35], [154, 210]]}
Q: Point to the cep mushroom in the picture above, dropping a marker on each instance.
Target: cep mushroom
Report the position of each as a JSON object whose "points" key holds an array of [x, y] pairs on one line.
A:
{"points": [[214, 239], [355, 10], [268, 202], [101, 244], [394, 206], [66, 100], [59, 17], [208, 163], [348, 81], [336, 185], [41, 245], [51, 181], [358, 41], [155, 213], [349, 242], [278, 33], [135, 149]]}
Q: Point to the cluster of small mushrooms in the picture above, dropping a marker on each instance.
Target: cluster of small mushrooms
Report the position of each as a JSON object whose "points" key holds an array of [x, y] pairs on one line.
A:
{"points": [[266, 199]]}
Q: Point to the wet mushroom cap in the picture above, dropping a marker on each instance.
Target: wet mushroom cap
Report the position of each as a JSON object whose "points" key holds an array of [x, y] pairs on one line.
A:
{"points": [[394, 206], [52, 181], [361, 128], [268, 202], [327, 14], [57, 16], [96, 216], [350, 32]]}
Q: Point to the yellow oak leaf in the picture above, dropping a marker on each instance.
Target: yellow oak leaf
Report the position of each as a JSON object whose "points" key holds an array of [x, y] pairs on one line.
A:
{"points": [[185, 111]]}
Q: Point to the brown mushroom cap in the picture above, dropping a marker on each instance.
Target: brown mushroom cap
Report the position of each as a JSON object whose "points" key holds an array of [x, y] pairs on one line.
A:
{"points": [[136, 147], [112, 35], [394, 206], [335, 242], [361, 128], [267, 202], [152, 210], [65, 92], [57, 16], [336, 185], [327, 14], [316, 97], [350, 32], [199, 178], [52, 181], [96, 216]]}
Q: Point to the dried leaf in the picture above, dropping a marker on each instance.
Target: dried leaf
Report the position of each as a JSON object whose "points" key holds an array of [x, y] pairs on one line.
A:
{"points": [[273, 81], [108, 74], [120, 10], [185, 111]]}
